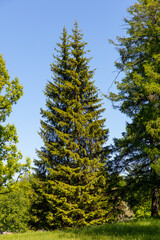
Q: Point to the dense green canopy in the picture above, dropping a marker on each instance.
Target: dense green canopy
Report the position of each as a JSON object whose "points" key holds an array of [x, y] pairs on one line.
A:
{"points": [[139, 97]]}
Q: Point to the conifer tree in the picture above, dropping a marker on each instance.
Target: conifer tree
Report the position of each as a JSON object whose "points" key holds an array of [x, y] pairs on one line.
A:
{"points": [[139, 98], [69, 173]]}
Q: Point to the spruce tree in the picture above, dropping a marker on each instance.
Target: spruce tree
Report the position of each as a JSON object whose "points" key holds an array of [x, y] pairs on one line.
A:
{"points": [[139, 98], [69, 172]]}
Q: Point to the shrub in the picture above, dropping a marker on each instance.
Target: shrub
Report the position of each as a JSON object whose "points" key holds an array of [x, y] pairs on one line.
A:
{"points": [[14, 207]]}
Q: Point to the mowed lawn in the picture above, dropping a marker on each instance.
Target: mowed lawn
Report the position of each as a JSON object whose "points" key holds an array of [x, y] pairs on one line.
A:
{"points": [[142, 229]]}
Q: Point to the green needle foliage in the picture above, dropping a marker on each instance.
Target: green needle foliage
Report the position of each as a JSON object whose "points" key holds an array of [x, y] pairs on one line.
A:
{"points": [[139, 98], [70, 177], [10, 92]]}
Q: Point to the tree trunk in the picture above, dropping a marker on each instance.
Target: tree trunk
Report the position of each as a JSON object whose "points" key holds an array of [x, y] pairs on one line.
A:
{"points": [[154, 209]]}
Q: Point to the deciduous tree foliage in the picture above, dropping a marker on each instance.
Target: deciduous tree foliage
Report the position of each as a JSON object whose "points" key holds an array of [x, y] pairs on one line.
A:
{"points": [[139, 98], [10, 92], [69, 173], [15, 206]]}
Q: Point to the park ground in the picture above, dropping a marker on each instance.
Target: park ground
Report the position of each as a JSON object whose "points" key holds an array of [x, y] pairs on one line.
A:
{"points": [[141, 229]]}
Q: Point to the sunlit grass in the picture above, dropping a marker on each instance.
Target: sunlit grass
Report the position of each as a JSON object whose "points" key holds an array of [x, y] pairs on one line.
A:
{"points": [[142, 229]]}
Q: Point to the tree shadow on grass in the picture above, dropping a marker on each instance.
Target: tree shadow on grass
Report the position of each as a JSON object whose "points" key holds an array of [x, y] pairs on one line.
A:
{"points": [[137, 230]]}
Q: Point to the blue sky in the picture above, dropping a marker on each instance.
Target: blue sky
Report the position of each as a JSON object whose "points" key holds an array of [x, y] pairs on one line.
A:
{"points": [[29, 32]]}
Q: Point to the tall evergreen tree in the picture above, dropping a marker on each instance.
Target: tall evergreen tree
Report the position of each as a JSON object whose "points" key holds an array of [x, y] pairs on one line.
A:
{"points": [[139, 98], [69, 173]]}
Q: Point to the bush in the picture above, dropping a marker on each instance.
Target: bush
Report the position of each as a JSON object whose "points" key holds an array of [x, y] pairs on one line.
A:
{"points": [[14, 207]]}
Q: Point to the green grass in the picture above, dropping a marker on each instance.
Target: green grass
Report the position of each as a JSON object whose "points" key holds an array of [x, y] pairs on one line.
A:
{"points": [[142, 229]]}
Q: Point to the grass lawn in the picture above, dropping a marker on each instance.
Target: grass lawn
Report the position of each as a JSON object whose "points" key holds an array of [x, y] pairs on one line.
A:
{"points": [[142, 229]]}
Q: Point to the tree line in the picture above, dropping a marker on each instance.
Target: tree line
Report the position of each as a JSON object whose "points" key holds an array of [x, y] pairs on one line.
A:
{"points": [[77, 178]]}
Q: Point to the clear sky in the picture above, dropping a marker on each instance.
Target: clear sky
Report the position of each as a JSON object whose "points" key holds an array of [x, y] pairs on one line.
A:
{"points": [[30, 30]]}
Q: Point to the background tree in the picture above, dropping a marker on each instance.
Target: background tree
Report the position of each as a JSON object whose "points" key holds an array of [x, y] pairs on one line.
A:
{"points": [[10, 92], [69, 173], [139, 98]]}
